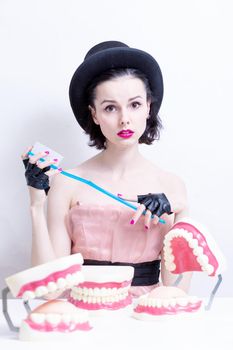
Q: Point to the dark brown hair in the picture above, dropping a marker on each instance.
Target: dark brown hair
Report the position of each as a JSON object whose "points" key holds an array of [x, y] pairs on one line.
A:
{"points": [[153, 125]]}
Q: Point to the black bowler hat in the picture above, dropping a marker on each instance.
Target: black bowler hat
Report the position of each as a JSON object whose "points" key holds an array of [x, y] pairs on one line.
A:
{"points": [[108, 55]]}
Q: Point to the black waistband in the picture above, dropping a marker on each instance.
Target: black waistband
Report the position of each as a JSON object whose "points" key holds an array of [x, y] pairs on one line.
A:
{"points": [[145, 274]]}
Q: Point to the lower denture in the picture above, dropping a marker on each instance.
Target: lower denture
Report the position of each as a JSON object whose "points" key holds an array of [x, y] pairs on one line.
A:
{"points": [[153, 310], [60, 327]]}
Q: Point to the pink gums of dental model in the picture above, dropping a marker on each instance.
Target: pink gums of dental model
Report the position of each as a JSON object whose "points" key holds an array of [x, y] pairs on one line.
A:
{"points": [[60, 327], [88, 284], [53, 277]]}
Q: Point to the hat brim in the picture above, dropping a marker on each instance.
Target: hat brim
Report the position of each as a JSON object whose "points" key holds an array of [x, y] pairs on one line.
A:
{"points": [[117, 57]]}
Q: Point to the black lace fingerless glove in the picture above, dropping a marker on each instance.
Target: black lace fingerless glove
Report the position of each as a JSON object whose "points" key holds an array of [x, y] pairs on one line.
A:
{"points": [[157, 203], [36, 177]]}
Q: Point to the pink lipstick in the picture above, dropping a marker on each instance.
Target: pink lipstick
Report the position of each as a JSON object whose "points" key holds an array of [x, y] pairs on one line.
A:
{"points": [[125, 134]]}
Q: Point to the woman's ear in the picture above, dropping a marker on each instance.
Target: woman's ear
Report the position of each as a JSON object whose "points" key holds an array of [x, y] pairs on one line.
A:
{"points": [[93, 114], [148, 108]]}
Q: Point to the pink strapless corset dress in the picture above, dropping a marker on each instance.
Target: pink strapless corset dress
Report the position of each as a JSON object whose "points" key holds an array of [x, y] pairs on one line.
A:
{"points": [[104, 233]]}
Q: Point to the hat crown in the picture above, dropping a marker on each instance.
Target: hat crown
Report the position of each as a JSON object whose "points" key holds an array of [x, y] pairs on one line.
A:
{"points": [[104, 46]]}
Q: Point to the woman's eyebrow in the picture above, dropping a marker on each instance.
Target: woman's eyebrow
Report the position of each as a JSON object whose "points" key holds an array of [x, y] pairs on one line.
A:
{"points": [[133, 98], [108, 101], [113, 101]]}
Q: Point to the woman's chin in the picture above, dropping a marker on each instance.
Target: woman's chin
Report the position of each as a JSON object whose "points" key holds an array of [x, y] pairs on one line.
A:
{"points": [[123, 143]]}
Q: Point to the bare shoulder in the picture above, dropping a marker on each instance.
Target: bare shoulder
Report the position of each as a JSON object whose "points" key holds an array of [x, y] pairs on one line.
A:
{"points": [[175, 189], [63, 186], [64, 180], [173, 181], [168, 180]]}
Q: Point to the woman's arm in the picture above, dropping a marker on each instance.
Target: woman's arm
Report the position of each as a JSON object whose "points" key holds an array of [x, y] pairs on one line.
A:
{"points": [[59, 200], [50, 238]]}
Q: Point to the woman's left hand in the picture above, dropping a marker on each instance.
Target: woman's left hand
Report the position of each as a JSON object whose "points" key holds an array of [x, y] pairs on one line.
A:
{"points": [[153, 205]]}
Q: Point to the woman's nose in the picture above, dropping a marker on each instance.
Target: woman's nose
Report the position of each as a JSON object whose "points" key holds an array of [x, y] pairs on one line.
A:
{"points": [[124, 118]]}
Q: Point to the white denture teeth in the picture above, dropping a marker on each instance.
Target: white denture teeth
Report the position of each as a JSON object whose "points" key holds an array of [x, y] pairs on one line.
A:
{"points": [[54, 319], [159, 303], [188, 235], [168, 238], [170, 258], [75, 318], [61, 282], [171, 266], [52, 287], [182, 301], [70, 280], [41, 275], [103, 293], [193, 243], [38, 318], [209, 269], [193, 299], [40, 291], [80, 317], [203, 260], [168, 251], [99, 299], [166, 302], [198, 251], [173, 302], [89, 300], [142, 301], [28, 295], [66, 318]]}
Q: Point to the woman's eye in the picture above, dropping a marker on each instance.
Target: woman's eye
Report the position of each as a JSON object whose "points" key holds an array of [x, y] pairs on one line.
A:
{"points": [[136, 104], [110, 108]]}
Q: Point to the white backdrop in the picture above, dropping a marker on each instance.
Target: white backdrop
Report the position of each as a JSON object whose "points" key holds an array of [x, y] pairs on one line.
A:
{"points": [[43, 42]]}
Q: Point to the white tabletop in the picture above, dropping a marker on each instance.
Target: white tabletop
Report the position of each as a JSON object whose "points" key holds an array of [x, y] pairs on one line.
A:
{"points": [[118, 330]]}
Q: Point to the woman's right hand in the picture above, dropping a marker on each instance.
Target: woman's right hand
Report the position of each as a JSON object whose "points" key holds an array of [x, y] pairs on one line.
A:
{"points": [[37, 175]]}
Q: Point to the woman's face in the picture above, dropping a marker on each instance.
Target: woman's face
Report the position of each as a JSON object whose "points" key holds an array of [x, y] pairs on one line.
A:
{"points": [[121, 109]]}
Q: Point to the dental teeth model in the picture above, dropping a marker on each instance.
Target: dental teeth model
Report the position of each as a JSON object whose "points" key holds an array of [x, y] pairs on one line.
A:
{"points": [[165, 301], [54, 320], [54, 276], [105, 288], [189, 247]]}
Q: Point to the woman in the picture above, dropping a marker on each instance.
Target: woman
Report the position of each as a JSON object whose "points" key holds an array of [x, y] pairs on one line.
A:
{"points": [[115, 95]]}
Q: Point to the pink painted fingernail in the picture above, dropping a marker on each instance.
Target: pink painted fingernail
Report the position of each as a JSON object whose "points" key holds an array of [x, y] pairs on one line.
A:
{"points": [[119, 194], [132, 222], [146, 227], [60, 169], [47, 152], [55, 160]]}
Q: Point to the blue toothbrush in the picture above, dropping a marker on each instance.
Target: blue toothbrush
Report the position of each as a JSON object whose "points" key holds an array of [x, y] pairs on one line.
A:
{"points": [[92, 184]]}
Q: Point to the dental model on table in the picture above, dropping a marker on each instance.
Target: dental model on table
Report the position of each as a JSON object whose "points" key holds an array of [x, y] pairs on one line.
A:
{"points": [[104, 288], [188, 246], [93, 289], [53, 319]]}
